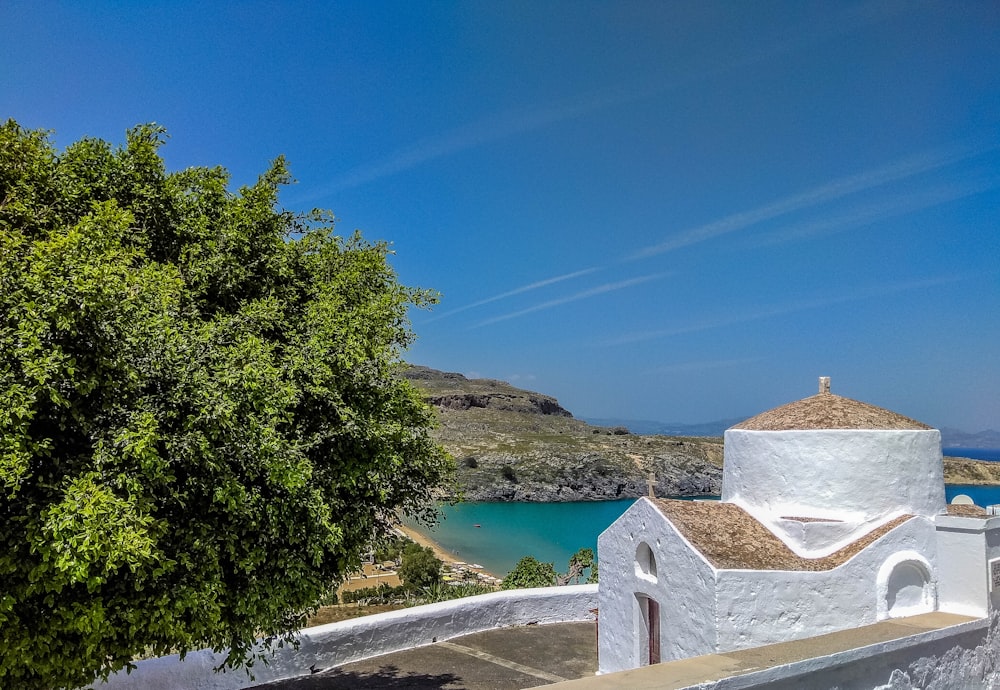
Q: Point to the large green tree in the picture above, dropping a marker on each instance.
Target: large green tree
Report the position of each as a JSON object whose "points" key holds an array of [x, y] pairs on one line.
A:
{"points": [[420, 568], [201, 425], [530, 572]]}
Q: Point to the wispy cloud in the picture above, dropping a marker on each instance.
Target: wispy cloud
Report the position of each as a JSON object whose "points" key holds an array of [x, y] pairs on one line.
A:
{"points": [[475, 134], [886, 207], [518, 121], [518, 291], [782, 309], [890, 207], [898, 170], [584, 294]]}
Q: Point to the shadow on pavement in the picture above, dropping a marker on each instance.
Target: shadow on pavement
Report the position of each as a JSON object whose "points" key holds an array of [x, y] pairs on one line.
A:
{"points": [[387, 677]]}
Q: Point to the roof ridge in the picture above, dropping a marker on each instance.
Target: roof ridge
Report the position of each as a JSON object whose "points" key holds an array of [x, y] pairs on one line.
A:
{"points": [[732, 539]]}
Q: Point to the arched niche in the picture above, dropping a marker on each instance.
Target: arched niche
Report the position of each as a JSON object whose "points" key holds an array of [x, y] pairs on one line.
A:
{"points": [[645, 562], [905, 587]]}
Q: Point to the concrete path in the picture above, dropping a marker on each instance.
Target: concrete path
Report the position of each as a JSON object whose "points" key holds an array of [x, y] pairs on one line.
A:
{"points": [[502, 659]]}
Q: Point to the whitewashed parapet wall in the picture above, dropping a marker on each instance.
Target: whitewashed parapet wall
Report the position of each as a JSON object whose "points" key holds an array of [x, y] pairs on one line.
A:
{"points": [[335, 644], [962, 657]]}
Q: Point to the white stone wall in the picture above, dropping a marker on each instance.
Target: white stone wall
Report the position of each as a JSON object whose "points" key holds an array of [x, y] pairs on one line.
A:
{"points": [[854, 475], [965, 547], [758, 607], [336, 644], [963, 657], [684, 587]]}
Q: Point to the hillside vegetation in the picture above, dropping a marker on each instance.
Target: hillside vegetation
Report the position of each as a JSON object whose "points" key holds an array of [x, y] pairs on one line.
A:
{"points": [[511, 444], [967, 471]]}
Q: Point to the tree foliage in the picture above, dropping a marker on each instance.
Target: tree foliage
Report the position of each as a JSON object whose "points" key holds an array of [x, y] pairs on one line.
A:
{"points": [[201, 428], [578, 563], [530, 572], [420, 568]]}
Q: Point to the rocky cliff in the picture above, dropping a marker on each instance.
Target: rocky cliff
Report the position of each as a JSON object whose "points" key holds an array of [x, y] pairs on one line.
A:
{"points": [[968, 471], [512, 444]]}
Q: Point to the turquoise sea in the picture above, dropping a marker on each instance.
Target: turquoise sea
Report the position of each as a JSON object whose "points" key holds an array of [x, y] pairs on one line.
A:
{"points": [[981, 495], [497, 535]]}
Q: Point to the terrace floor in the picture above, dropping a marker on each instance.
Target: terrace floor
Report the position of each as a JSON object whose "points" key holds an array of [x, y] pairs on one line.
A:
{"points": [[502, 659]]}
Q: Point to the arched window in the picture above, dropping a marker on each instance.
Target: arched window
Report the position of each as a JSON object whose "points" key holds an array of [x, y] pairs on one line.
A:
{"points": [[645, 562]]}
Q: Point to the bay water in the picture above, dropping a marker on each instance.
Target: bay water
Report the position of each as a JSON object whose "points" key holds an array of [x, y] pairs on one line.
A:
{"points": [[497, 535], [991, 454]]}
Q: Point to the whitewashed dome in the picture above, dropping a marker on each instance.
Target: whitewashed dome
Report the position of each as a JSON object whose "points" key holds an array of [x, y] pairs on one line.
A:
{"points": [[828, 456]]}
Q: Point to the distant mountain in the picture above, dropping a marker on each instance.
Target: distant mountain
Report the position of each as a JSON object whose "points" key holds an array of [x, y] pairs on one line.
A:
{"points": [[963, 439], [646, 426]]}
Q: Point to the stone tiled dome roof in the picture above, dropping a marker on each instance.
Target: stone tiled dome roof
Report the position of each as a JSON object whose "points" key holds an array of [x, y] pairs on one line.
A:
{"points": [[828, 411]]}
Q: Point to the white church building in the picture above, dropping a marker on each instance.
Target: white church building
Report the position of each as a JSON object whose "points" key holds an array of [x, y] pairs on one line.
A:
{"points": [[832, 516]]}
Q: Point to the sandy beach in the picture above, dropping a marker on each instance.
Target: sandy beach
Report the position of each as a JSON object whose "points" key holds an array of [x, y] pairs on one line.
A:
{"points": [[446, 556], [372, 575]]}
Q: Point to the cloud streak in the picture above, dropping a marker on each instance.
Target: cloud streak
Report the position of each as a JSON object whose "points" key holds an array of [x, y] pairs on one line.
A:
{"points": [[584, 294], [475, 134], [517, 291], [899, 205], [831, 191], [781, 310], [518, 121]]}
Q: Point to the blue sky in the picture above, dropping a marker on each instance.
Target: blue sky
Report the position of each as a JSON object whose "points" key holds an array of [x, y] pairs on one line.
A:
{"points": [[651, 210]]}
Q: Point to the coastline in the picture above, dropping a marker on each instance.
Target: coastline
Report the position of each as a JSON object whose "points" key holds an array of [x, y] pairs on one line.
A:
{"points": [[442, 553]]}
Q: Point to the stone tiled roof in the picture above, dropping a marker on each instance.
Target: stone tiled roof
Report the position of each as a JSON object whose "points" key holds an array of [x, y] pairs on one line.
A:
{"points": [[731, 539], [828, 411]]}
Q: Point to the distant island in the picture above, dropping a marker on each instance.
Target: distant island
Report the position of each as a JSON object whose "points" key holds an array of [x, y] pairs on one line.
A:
{"points": [[963, 439], [512, 444]]}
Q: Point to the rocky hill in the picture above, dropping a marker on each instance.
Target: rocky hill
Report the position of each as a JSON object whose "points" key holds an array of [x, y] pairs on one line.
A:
{"points": [[968, 471], [512, 444]]}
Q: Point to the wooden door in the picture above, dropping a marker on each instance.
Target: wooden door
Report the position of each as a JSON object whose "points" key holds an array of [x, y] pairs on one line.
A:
{"points": [[653, 616]]}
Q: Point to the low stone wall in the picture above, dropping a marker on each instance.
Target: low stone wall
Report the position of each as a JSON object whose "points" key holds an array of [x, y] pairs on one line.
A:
{"points": [[326, 646], [962, 657]]}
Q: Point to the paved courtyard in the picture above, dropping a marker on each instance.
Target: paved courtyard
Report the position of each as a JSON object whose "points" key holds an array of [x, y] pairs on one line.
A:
{"points": [[503, 659]]}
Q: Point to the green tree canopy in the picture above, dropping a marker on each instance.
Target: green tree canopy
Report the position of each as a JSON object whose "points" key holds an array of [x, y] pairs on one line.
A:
{"points": [[201, 426], [530, 572], [420, 567], [578, 563]]}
